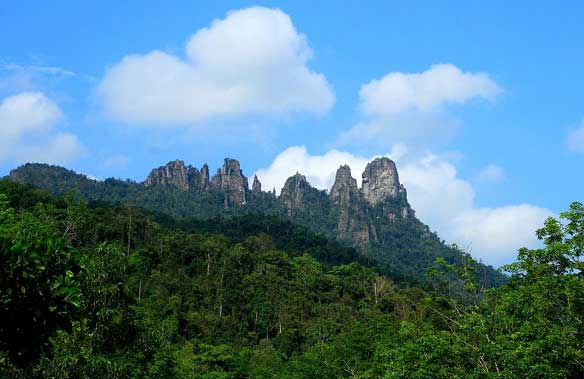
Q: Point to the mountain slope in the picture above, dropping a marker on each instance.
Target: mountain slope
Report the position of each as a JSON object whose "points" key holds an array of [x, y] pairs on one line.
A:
{"points": [[376, 218]]}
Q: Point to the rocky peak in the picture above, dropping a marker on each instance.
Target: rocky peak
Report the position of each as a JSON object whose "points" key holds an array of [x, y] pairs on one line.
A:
{"points": [[380, 181], [231, 179], [295, 184], [256, 187], [345, 194], [344, 191], [204, 179], [293, 191], [174, 173]]}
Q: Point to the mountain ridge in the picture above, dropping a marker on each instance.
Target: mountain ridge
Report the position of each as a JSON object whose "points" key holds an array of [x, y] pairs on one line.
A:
{"points": [[376, 218]]}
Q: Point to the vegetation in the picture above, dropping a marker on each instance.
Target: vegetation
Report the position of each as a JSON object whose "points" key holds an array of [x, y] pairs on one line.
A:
{"points": [[114, 291], [405, 248]]}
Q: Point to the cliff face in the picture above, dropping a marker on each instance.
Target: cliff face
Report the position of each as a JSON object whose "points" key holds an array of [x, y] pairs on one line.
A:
{"points": [[174, 174], [376, 217], [256, 186], [292, 194], [380, 181], [350, 212], [231, 180], [348, 201]]}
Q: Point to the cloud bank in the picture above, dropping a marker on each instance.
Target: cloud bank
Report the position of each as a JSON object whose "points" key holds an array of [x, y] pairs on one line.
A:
{"points": [[413, 106], [440, 197], [252, 62], [27, 131]]}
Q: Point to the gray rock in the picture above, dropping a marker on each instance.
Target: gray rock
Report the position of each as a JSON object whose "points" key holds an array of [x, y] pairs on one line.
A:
{"points": [[231, 180], [347, 198], [204, 180], [175, 174], [292, 194], [256, 187], [345, 187], [380, 181]]}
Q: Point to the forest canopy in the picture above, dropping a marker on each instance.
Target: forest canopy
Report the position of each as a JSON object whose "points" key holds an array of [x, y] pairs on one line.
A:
{"points": [[115, 291]]}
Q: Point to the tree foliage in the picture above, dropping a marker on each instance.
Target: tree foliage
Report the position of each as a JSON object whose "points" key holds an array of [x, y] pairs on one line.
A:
{"points": [[109, 291]]}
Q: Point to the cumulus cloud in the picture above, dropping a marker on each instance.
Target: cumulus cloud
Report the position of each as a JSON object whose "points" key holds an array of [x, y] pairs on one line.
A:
{"points": [[252, 62], [410, 106], [491, 173], [441, 84], [496, 232], [27, 123], [576, 139], [440, 197], [319, 170]]}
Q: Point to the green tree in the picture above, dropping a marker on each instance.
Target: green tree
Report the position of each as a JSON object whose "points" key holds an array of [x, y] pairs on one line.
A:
{"points": [[39, 283]]}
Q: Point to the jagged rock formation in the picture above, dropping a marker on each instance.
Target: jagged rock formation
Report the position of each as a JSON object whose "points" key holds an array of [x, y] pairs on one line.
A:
{"points": [[204, 178], [376, 217], [231, 180], [292, 194], [256, 187], [175, 174], [346, 196], [364, 216], [380, 181], [344, 190]]}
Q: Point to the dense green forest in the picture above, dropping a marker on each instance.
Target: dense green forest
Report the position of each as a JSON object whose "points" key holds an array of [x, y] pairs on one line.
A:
{"points": [[93, 290], [403, 248]]}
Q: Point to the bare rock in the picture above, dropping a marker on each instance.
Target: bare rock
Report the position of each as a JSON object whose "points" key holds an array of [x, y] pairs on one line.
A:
{"points": [[347, 198], [292, 193], [175, 174], [256, 187], [380, 181], [231, 180]]}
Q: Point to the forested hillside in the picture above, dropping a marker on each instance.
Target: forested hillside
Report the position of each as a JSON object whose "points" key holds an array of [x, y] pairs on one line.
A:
{"points": [[376, 219], [114, 291]]}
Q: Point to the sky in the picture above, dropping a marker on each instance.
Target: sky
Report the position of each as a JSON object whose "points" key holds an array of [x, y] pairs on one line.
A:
{"points": [[480, 105]]}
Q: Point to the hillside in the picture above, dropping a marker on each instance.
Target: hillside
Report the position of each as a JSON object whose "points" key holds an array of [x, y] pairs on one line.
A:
{"points": [[376, 219], [115, 291]]}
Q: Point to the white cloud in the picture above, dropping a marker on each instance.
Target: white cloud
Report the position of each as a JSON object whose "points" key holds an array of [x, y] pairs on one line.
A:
{"points": [[442, 83], [55, 149], [27, 121], [576, 139], [319, 170], [496, 232], [440, 197], [25, 112], [491, 173], [252, 62], [407, 106], [48, 70]]}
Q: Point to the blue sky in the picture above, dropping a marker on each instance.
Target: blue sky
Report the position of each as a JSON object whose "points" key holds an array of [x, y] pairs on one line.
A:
{"points": [[480, 106]]}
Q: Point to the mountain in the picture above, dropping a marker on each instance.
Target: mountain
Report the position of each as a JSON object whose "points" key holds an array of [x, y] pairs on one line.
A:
{"points": [[376, 218]]}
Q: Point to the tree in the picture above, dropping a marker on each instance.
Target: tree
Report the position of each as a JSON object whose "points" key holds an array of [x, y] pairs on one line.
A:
{"points": [[39, 283]]}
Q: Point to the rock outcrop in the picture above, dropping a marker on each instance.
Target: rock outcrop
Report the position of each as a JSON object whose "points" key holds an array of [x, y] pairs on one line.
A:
{"points": [[380, 181], [174, 174], [204, 178], [344, 190], [231, 180], [348, 200], [292, 194], [256, 187]]}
